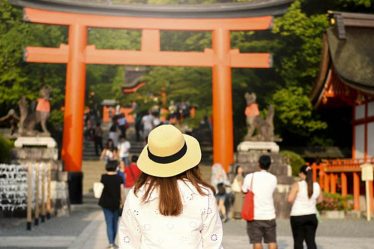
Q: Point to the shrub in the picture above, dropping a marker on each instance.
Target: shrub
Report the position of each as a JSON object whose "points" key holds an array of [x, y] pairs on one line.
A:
{"points": [[335, 202], [296, 161], [5, 149]]}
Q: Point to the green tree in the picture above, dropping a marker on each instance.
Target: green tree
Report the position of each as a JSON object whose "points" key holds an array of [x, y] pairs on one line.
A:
{"points": [[5, 150], [297, 56], [294, 160], [18, 78], [294, 112]]}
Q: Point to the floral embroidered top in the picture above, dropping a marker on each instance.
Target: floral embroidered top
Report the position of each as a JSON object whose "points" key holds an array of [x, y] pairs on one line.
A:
{"points": [[198, 227]]}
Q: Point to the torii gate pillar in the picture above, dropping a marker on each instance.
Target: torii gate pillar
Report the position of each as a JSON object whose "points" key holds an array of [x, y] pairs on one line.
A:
{"points": [[74, 98], [222, 100]]}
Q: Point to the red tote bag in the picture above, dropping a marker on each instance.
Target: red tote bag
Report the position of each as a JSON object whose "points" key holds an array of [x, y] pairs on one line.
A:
{"points": [[248, 204]]}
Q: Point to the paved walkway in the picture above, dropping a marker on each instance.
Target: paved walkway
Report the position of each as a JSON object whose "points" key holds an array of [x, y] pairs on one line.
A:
{"points": [[85, 229]]}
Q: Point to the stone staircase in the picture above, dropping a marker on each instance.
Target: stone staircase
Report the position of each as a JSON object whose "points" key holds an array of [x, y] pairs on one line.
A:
{"points": [[136, 147], [89, 151], [93, 167], [89, 146], [206, 153]]}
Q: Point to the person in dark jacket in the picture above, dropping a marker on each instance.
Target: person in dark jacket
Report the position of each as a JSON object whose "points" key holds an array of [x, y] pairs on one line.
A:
{"points": [[111, 200]]}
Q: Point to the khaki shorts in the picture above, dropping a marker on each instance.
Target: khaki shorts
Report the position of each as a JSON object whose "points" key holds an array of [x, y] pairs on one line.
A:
{"points": [[262, 229]]}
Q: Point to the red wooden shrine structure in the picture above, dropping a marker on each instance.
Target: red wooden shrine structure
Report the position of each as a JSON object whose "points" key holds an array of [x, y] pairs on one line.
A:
{"points": [[221, 58], [346, 78]]}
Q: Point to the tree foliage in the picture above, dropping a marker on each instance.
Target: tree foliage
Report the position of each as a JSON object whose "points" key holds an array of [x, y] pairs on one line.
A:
{"points": [[18, 78], [295, 161], [294, 111], [301, 38], [5, 150]]}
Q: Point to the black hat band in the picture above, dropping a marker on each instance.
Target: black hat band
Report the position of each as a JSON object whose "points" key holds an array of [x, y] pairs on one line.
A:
{"points": [[168, 159]]}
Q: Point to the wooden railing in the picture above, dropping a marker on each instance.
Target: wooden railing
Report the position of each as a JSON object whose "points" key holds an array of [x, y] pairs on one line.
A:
{"points": [[330, 173]]}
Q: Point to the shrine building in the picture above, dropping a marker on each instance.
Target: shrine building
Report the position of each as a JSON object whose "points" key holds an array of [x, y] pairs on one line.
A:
{"points": [[346, 79]]}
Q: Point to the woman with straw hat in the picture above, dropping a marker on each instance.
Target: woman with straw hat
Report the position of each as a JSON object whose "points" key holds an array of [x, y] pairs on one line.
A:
{"points": [[170, 205]]}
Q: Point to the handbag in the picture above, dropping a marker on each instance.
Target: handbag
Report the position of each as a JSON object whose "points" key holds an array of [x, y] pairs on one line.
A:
{"points": [[235, 186], [98, 189], [248, 203]]}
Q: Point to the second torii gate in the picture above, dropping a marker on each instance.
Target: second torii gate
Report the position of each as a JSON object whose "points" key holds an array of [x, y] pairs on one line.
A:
{"points": [[76, 54]]}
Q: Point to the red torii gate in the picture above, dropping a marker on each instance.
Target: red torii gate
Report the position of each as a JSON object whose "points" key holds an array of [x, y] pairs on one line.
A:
{"points": [[221, 58]]}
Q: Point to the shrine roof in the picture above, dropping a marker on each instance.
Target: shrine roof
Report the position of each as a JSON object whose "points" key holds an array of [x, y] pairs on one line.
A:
{"points": [[348, 52], [218, 10]]}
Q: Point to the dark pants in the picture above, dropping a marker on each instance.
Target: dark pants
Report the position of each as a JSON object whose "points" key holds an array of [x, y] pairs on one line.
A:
{"points": [[111, 220], [122, 128], [98, 141], [304, 229]]}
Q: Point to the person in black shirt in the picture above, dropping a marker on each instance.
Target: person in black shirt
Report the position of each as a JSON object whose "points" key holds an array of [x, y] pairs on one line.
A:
{"points": [[111, 200]]}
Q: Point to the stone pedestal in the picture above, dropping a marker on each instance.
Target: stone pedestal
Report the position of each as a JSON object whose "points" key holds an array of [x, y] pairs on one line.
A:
{"points": [[258, 146], [248, 154], [43, 151], [35, 142]]}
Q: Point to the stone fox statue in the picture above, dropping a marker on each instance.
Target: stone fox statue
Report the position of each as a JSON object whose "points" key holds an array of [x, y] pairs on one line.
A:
{"points": [[251, 113], [264, 127], [28, 121]]}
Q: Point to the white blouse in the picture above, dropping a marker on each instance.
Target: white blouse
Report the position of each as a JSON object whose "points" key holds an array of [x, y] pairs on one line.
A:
{"points": [[303, 205], [143, 227]]}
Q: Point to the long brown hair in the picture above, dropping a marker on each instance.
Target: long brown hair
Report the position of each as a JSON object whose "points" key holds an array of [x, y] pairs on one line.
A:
{"points": [[307, 171], [170, 203]]}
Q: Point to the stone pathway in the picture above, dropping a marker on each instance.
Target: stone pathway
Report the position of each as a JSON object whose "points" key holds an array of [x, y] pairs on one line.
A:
{"points": [[85, 229]]}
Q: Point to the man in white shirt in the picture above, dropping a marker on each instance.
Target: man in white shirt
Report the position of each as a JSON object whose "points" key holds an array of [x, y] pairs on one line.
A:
{"points": [[147, 122], [124, 150], [263, 227]]}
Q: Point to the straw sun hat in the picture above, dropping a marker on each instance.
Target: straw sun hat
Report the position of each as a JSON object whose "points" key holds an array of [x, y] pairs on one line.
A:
{"points": [[169, 152]]}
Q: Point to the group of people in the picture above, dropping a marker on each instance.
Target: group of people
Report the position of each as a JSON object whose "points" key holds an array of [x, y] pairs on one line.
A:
{"points": [[173, 114], [303, 195], [118, 127], [171, 206], [119, 151], [117, 130]]}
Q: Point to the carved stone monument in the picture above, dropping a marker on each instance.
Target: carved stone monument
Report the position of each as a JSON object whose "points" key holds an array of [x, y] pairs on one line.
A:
{"points": [[264, 127], [27, 135], [37, 151], [259, 140], [28, 120]]}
